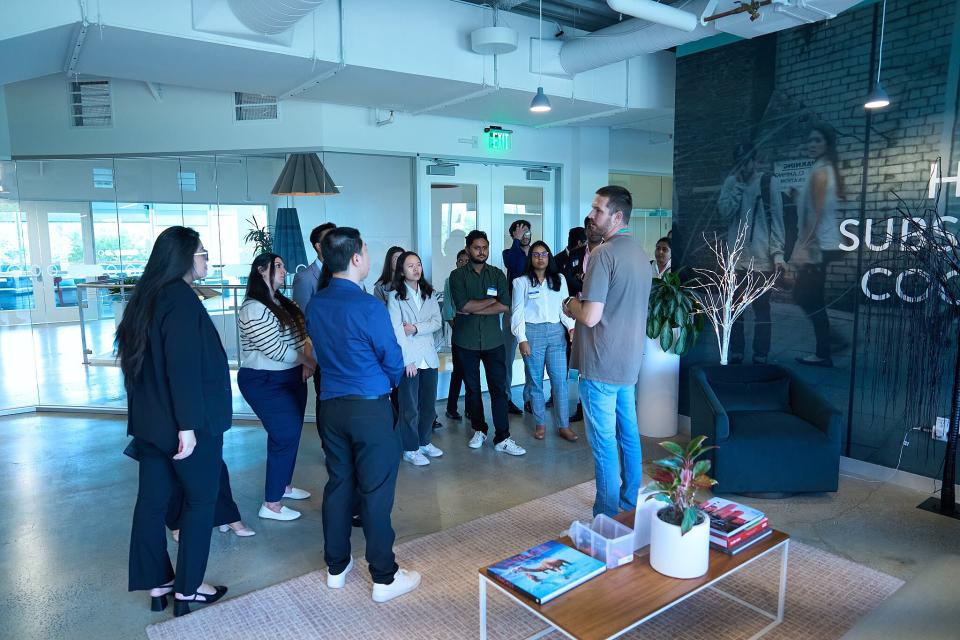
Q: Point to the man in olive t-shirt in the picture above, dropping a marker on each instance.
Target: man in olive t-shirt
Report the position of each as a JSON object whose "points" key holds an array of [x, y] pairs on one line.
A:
{"points": [[608, 345]]}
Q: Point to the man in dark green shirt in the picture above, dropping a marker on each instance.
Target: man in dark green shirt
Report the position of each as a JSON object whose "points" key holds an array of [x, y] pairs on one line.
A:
{"points": [[480, 294]]}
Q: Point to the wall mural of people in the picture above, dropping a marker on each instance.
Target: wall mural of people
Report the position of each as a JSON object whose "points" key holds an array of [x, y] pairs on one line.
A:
{"points": [[785, 150]]}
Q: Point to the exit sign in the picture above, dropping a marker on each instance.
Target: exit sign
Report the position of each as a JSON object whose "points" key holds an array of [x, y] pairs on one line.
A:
{"points": [[498, 139]]}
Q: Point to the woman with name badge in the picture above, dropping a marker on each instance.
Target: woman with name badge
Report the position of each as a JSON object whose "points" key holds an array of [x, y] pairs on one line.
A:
{"points": [[543, 331]]}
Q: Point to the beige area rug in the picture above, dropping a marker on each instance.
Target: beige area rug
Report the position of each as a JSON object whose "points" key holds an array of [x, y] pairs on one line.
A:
{"points": [[826, 594]]}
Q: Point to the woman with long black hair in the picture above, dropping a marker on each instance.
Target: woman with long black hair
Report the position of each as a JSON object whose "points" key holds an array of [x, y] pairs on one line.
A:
{"points": [[384, 284], [179, 405], [415, 316], [543, 330], [276, 361]]}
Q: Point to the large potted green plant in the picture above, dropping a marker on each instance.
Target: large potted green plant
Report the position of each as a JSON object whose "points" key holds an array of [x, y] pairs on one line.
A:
{"points": [[674, 320], [680, 531]]}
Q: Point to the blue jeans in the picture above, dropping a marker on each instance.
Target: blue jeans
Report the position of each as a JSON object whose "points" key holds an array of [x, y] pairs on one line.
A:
{"points": [[548, 348], [610, 414]]}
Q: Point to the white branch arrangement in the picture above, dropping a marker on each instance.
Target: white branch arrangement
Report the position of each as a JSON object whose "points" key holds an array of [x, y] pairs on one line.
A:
{"points": [[727, 292]]}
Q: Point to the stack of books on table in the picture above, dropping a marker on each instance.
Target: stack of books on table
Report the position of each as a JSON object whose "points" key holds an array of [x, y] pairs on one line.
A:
{"points": [[734, 526]]}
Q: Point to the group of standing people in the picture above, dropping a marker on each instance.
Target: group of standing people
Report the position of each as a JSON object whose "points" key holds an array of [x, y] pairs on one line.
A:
{"points": [[358, 349]]}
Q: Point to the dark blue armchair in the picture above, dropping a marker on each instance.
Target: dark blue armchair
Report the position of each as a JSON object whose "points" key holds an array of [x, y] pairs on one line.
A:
{"points": [[774, 432]]}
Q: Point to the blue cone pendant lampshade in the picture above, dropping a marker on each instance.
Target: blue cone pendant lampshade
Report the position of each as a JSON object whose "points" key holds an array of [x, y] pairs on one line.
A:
{"points": [[288, 240], [540, 103], [304, 175], [877, 99]]}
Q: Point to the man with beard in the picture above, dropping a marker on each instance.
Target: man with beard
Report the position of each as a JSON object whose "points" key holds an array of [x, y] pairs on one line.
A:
{"points": [[608, 343], [480, 294]]}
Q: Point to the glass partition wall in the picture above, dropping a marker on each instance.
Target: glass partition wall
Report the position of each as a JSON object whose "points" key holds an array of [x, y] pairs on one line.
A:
{"points": [[75, 235]]}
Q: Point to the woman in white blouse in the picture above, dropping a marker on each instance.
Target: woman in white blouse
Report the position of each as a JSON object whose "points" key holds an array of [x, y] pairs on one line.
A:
{"points": [[415, 315], [538, 321], [276, 361]]}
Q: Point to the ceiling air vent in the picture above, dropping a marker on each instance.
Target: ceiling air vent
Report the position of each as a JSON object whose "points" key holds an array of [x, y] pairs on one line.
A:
{"points": [[253, 106], [90, 103]]}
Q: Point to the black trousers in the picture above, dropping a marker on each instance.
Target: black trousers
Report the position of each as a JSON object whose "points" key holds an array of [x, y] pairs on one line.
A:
{"points": [[809, 294], [362, 450], [762, 329], [495, 367], [225, 511], [198, 477], [418, 398], [453, 394]]}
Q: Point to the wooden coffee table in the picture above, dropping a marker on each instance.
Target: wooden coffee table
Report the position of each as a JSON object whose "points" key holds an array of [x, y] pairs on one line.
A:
{"points": [[622, 599]]}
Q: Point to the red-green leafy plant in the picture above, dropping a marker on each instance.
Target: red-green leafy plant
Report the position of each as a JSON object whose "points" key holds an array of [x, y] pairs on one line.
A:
{"points": [[676, 480]]}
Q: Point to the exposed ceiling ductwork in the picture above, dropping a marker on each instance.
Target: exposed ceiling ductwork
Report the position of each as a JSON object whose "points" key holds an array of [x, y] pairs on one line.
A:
{"points": [[636, 37], [271, 17]]}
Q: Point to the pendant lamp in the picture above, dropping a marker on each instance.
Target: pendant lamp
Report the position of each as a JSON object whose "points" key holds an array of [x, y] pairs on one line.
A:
{"points": [[540, 102], [304, 175], [878, 98]]}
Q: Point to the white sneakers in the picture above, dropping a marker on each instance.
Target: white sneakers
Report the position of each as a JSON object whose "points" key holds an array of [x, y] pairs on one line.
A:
{"points": [[507, 446], [431, 450], [297, 494], [510, 447], [479, 437], [337, 581], [403, 582], [415, 458], [286, 513]]}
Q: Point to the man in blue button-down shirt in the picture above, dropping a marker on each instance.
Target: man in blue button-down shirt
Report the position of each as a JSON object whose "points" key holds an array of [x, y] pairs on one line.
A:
{"points": [[360, 361]]}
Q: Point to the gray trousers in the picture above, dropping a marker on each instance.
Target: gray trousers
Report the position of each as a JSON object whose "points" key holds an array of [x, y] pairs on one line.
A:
{"points": [[418, 397]]}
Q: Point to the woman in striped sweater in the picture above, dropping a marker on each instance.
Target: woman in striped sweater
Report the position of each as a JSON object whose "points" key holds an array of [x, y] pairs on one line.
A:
{"points": [[276, 361]]}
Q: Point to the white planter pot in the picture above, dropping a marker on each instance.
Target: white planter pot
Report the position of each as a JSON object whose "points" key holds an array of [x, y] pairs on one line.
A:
{"points": [[658, 391], [118, 306], [677, 556]]}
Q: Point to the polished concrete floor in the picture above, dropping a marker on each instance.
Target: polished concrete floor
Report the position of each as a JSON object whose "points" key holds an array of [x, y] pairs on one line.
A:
{"points": [[67, 496]]}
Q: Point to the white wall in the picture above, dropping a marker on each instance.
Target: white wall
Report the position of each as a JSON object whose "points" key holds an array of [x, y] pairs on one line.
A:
{"points": [[193, 121], [633, 152], [376, 197], [592, 171]]}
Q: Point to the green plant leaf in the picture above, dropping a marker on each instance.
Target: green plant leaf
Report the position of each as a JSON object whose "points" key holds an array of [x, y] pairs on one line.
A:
{"points": [[673, 448], [666, 337], [669, 463], [682, 343], [663, 497], [689, 519], [702, 466]]}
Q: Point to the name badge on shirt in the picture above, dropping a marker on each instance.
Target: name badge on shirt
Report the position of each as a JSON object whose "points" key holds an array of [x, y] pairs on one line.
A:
{"points": [[492, 292], [533, 293]]}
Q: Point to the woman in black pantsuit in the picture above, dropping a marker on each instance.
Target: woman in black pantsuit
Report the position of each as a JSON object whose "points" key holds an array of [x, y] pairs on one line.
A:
{"points": [[179, 405]]}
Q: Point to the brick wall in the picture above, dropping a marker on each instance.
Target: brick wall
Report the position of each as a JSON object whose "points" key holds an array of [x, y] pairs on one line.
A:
{"points": [[769, 89]]}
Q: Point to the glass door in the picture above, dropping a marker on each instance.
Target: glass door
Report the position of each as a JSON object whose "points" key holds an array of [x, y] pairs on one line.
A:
{"points": [[61, 242], [524, 193], [451, 207]]}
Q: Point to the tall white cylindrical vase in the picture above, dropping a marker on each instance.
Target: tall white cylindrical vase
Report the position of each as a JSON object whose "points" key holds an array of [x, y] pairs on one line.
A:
{"points": [[658, 391], [686, 556]]}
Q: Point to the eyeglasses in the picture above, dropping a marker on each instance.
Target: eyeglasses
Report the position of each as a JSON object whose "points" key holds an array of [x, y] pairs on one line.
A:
{"points": [[540, 254], [205, 254]]}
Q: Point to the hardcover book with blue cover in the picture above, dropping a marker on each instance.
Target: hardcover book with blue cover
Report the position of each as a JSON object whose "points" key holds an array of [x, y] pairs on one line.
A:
{"points": [[547, 570]]}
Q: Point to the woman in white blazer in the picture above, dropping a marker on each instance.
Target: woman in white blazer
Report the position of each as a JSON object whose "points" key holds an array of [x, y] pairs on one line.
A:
{"points": [[415, 315]]}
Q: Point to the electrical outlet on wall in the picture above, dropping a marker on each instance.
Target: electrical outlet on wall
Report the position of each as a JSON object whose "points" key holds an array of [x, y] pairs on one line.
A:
{"points": [[940, 429]]}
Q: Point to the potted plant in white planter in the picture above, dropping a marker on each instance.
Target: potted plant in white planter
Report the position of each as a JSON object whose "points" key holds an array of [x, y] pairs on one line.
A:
{"points": [[680, 532], [674, 320], [119, 297]]}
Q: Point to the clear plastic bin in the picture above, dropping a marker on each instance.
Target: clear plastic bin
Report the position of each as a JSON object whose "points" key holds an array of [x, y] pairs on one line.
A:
{"points": [[606, 540]]}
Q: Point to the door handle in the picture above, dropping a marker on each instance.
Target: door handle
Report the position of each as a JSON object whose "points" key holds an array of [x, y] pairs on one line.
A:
{"points": [[37, 273]]}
